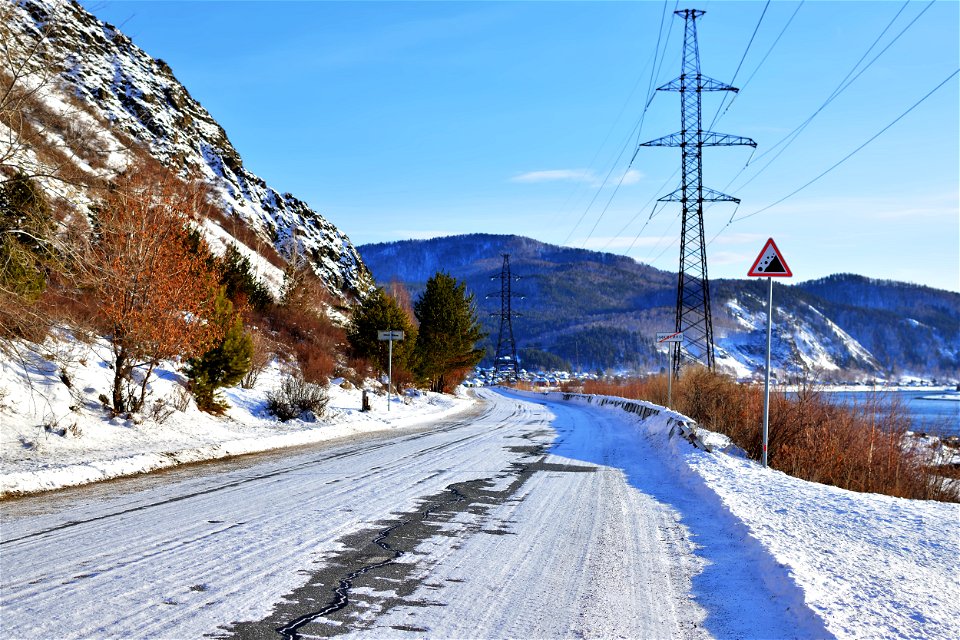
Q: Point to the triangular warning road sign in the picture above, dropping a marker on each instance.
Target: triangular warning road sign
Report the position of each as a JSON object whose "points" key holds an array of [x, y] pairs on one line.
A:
{"points": [[770, 263]]}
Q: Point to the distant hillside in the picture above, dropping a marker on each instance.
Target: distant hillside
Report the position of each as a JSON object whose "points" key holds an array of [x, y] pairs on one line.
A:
{"points": [[896, 321], [599, 310]]}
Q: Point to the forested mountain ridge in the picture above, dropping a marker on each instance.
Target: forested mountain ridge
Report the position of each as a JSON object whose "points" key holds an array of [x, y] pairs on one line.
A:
{"points": [[599, 310]]}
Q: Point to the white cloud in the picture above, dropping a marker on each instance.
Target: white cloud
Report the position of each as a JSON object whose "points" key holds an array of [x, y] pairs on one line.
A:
{"points": [[554, 175], [632, 176], [585, 176]]}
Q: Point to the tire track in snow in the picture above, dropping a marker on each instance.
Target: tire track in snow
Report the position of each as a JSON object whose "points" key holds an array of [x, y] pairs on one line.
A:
{"points": [[363, 557], [280, 511]]}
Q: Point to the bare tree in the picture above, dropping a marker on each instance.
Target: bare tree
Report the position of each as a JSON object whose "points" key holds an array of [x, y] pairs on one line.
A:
{"points": [[154, 286]]}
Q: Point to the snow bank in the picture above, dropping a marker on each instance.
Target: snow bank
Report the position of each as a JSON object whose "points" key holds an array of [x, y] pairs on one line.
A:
{"points": [[868, 565], [54, 435]]}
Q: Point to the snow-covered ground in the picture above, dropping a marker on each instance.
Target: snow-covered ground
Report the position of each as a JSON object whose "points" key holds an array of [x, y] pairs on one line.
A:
{"points": [[870, 566], [53, 436], [864, 565]]}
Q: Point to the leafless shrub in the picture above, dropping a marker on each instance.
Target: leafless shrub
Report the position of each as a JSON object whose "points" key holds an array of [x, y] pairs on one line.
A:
{"points": [[180, 399], [296, 397], [161, 409], [263, 353]]}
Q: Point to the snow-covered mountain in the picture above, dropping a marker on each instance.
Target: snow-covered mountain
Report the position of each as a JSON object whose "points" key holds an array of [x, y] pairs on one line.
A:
{"points": [[130, 102], [600, 310]]}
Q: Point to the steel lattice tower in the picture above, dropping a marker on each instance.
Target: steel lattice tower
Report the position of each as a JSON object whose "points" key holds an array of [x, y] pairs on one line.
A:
{"points": [[505, 360], [693, 315]]}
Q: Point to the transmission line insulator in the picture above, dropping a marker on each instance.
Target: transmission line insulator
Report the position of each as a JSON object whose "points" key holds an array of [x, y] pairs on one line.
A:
{"points": [[693, 316]]}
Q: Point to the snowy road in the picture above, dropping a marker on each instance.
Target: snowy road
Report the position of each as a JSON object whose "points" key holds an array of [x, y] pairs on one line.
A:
{"points": [[524, 519]]}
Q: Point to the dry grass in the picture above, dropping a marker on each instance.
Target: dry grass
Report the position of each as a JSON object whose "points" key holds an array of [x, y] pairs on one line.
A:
{"points": [[860, 447]]}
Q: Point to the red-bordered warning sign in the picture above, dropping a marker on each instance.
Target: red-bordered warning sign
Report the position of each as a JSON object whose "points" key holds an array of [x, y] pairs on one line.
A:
{"points": [[770, 263]]}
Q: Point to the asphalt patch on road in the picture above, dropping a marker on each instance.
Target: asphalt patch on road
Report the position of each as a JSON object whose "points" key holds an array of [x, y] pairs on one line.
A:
{"points": [[378, 569]]}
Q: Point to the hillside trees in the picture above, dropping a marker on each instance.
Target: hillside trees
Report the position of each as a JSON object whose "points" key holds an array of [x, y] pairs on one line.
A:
{"points": [[242, 286], [226, 363], [25, 70], [446, 346], [26, 251], [303, 322], [155, 294], [380, 312], [39, 137]]}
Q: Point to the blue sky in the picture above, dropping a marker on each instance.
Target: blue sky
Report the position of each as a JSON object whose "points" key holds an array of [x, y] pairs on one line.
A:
{"points": [[410, 120]]}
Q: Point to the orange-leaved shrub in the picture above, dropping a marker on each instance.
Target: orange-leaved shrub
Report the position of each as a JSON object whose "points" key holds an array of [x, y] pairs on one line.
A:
{"points": [[861, 447], [154, 292]]}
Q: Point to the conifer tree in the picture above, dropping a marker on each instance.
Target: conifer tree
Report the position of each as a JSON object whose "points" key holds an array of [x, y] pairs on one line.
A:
{"points": [[25, 228], [236, 274], [449, 331], [381, 312], [225, 364]]}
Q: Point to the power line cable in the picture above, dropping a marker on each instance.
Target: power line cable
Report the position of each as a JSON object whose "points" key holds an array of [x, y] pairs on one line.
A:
{"points": [[852, 153], [762, 60], [652, 61], [656, 193], [844, 84], [638, 127], [742, 58], [610, 199]]}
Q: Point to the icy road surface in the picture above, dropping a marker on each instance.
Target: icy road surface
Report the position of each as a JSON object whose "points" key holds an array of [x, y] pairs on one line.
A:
{"points": [[523, 519]]}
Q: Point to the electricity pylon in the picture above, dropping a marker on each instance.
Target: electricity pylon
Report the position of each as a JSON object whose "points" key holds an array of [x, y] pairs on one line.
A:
{"points": [[505, 361], [693, 315]]}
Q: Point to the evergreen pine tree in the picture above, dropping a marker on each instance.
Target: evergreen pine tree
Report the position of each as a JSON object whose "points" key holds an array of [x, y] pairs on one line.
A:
{"points": [[225, 364], [449, 331], [25, 222], [236, 274], [381, 312]]}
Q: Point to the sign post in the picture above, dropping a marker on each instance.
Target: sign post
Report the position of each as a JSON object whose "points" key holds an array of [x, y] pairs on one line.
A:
{"points": [[673, 339], [769, 264], [388, 337]]}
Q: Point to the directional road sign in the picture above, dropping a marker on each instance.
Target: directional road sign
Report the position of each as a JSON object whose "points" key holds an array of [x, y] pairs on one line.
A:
{"points": [[669, 336], [389, 335], [770, 263], [672, 338]]}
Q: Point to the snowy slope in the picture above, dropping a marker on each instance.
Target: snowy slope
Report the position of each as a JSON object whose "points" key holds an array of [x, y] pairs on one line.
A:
{"points": [[133, 101], [53, 435], [870, 566], [805, 339]]}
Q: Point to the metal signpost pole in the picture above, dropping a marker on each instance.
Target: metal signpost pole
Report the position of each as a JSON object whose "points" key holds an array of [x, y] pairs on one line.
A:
{"points": [[389, 336], [670, 377], [766, 377], [673, 339]]}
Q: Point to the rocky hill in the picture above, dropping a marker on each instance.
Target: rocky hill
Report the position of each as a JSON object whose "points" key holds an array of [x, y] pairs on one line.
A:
{"points": [[108, 100], [600, 310]]}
